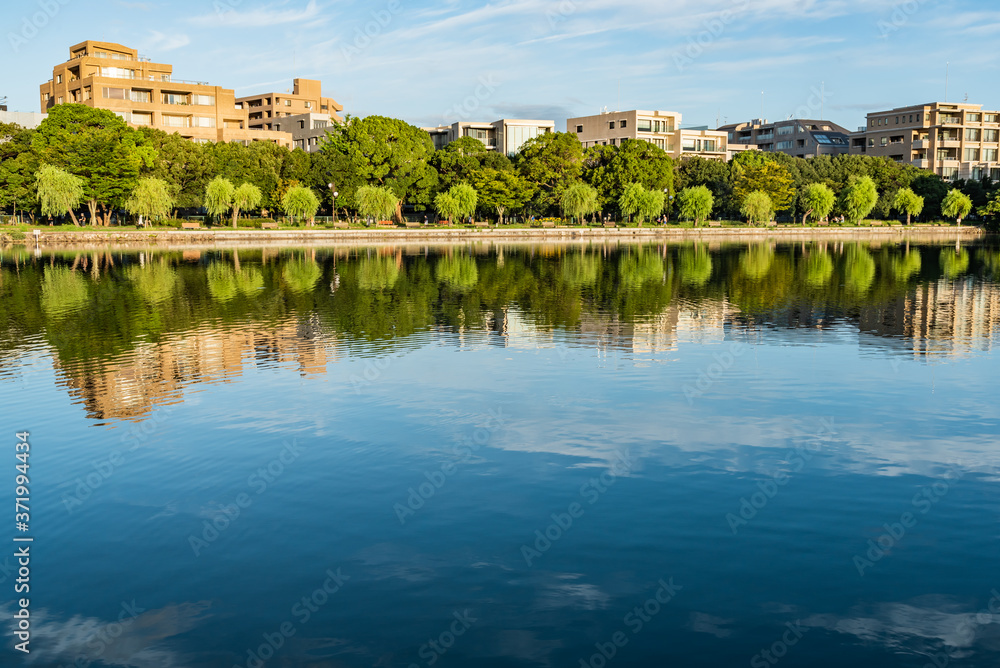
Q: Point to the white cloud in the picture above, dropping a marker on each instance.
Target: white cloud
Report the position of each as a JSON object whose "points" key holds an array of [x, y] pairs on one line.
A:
{"points": [[227, 15], [157, 41]]}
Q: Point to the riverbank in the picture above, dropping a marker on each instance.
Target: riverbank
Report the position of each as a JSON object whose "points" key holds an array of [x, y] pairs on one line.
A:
{"points": [[257, 238]]}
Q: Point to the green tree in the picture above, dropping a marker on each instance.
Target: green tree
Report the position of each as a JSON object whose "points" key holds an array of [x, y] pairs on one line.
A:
{"points": [[185, 165], [757, 207], [97, 146], [465, 198], [59, 192], [768, 177], [908, 202], [300, 201], [378, 202], [992, 208], [151, 199], [610, 169], [18, 168], [457, 203], [817, 199], [382, 152], [502, 191], [245, 198], [550, 163], [858, 199], [957, 205], [696, 203], [637, 201], [579, 200], [464, 160], [219, 196]]}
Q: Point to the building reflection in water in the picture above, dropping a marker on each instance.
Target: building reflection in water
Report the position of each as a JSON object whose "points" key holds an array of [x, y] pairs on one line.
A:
{"points": [[193, 317]]}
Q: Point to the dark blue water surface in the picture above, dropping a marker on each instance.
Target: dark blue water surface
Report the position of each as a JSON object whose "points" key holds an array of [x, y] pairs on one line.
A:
{"points": [[506, 456]]}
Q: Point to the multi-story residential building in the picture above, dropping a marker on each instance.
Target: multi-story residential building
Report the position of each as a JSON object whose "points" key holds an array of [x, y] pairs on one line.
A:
{"points": [[507, 135], [954, 140], [306, 97], [659, 128], [308, 130], [105, 75], [800, 137]]}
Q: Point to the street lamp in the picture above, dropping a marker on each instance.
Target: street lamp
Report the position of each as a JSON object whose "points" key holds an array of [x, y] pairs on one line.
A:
{"points": [[670, 202], [330, 186]]}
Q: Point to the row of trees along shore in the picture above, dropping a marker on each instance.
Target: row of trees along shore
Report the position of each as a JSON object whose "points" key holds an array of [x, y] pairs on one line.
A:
{"points": [[87, 164]]}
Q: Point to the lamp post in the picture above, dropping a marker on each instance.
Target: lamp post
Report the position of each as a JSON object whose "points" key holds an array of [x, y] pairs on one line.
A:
{"points": [[670, 203], [330, 186]]}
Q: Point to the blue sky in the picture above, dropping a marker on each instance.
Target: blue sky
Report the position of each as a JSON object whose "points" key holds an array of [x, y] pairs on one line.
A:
{"points": [[432, 63]]}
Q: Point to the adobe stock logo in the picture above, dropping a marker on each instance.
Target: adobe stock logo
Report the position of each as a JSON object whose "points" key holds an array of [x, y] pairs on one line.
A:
{"points": [[30, 25]]}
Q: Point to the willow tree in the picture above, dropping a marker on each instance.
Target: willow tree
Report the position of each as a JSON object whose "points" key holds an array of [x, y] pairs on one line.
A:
{"points": [[151, 199], [640, 202], [457, 203], [378, 202], [956, 205], [59, 192], [300, 201], [817, 200], [579, 200], [219, 196], [859, 199], [757, 207], [696, 203], [908, 202], [245, 198]]}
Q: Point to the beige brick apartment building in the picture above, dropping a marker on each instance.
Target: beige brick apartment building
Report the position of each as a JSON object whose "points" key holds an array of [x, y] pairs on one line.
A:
{"points": [[660, 128], [954, 140], [105, 75]]}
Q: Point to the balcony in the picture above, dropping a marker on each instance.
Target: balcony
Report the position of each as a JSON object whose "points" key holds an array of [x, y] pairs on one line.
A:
{"points": [[920, 144], [949, 143], [922, 164]]}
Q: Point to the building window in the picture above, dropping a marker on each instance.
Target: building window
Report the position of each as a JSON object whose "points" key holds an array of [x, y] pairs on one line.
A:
{"points": [[320, 124], [309, 105], [175, 98], [884, 141], [991, 118], [644, 125], [989, 155], [60, 100], [288, 102], [203, 122], [972, 155], [175, 121], [86, 93], [990, 135], [141, 95], [658, 143], [949, 173], [972, 134], [114, 93], [58, 78], [117, 73], [623, 124], [897, 120], [871, 142], [911, 118], [142, 118], [786, 130], [611, 125], [203, 100], [995, 173], [973, 118], [783, 145], [579, 129]]}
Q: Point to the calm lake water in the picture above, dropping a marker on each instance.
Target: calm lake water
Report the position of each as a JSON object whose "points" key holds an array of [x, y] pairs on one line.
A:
{"points": [[690, 455]]}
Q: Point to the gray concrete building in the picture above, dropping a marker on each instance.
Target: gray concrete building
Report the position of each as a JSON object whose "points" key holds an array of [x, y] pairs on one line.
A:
{"points": [[798, 137], [507, 135]]}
